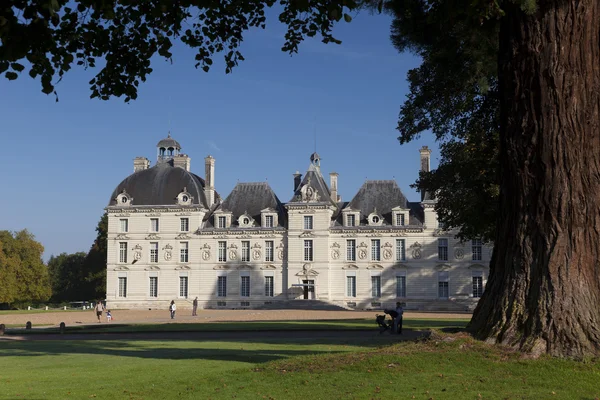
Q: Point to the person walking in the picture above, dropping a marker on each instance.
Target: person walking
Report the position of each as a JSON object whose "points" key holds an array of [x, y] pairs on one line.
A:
{"points": [[195, 307], [172, 308], [398, 319], [99, 309]]}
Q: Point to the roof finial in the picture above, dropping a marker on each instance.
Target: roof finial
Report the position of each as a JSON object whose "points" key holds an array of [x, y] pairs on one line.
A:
{"points": [[169, 134]]}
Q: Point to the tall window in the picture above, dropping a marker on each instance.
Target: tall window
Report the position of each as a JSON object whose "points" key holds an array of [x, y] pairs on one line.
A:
{"points": [[269, 286], [477, 284], [308, 222], [122, 252], [245, 289], [443, 249], [400, 250], [351, 219], [153, 224], [154, 286], [245, 250], [376, 286], [222, 222], [375, 250], [183, 252], [124, 225], [400, 219], [153, 252], [351, 250], [401, 285], [351, 286], [476, 247], [122, 286], [269, 251], [183, 286], [222, 286], [184, 224], [308, 250], [222, 251], [443, 285], [268, 221]]}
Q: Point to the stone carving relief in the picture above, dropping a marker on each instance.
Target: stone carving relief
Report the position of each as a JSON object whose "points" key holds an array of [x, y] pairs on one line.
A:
{"points": [[152, 236], [387, 254], [122, 236], [206, 255], [137, 252], [416, 250], [308, 193], [362, 254], [256, 254], [232, 255], [335, 254], [167, 249], [459, 254]]}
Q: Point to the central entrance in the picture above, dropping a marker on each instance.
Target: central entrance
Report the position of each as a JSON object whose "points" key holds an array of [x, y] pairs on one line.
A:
{"points": [[309, 288]]}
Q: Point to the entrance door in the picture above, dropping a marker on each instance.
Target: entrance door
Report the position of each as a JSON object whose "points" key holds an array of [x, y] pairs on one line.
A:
{"points": [[309, 290]]}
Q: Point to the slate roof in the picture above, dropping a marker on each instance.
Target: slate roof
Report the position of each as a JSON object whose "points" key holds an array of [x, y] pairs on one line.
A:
{"points": [[160, 185], [169, 142], [317, 182], [383, 195], [252, 198]]}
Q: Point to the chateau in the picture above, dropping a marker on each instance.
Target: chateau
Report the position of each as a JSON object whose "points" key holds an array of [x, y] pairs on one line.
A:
{"points": [[171, 236]]}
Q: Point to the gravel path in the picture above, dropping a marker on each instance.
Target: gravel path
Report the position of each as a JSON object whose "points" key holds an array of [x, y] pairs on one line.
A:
{"points": [[162, 316]]}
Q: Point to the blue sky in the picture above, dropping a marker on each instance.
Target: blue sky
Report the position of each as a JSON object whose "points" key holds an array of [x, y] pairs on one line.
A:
{"points": [[61, 161]]}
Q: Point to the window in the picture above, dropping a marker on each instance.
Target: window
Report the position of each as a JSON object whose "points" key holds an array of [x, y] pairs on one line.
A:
{"points": [[400, 250], [376, 286], [222, 251], [154, 286], [153, 224], [375, 250], [122, 286], [477, 284], [401, 285], [269, 286], [183, 286], [245, 250], [476, 247], [122, 252], [308, 250], [351, 286], [443, 249], [245, 286], [443, 285], [400, 219], [375, 219], [308, 222], [183, 252], [124, 225], [351, 220], [222, 222], [184, 224], [153, 252], [268, 221], [269, 251], [441, 225], [222, 286], [351, 250]]}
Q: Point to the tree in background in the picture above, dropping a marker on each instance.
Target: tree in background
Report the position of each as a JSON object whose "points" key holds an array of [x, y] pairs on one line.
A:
{"points": [[49, 37], [67, 277], [95, 262], [23, 274]]}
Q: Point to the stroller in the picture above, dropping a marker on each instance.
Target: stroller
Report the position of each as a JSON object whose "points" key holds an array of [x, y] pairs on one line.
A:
{"points": [[384, 324]]}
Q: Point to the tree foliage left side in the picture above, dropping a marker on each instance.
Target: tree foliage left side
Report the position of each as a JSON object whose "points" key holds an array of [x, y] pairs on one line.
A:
{"points": [[23, 274], [49, 37]]}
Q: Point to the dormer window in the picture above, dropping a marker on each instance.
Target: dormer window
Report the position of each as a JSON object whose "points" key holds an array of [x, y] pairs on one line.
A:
{"points": [[400, 219], [400, 216], [375, 219], [351, 217], [221, 222], [124, 199], [184, 198], [245, 221], [351, 220], [269, 218]]}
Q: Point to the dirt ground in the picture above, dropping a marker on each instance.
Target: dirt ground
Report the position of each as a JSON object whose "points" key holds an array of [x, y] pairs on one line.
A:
{"points": [[162, 316]]}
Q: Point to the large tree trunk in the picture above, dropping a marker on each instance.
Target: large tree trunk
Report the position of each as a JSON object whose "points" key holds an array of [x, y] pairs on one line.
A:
{"points": [[543, 294]]}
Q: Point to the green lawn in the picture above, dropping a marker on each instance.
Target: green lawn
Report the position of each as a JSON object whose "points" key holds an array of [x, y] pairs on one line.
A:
{"points": [[353, 367], [39, 311]]}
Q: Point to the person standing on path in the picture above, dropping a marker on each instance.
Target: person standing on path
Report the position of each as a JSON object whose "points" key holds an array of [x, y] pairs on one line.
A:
{"points": [[172, 308], [99, 308], [195, 307], [398, 319]]}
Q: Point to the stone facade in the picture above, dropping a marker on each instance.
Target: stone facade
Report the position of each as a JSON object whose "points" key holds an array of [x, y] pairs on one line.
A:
{"points": [[172, 237]]}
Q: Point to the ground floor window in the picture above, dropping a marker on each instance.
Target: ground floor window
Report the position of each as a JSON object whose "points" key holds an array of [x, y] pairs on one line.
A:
{"points": [[154, 286], [351, 286], [245, 286], [477, 284], [122, 286], [443, 285], [401, 286], [222, 286], [183, 286], [269, 286], [376, 286]]}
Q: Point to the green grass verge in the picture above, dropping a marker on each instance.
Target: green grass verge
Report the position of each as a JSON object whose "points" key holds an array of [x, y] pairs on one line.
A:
{"points": [[356, 324], [287, 368]]}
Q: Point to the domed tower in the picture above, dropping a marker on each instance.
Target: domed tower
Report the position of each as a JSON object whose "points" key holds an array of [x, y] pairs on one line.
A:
{"points": [[315, 159], [167, 149]]}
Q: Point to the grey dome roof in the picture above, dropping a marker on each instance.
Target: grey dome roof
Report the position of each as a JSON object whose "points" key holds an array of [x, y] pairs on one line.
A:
{"points": [[169, 142], [160, 185], [315, 156]]}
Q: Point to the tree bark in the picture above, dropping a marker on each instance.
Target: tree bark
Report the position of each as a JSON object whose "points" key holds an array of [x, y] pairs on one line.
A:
{"points": [[543, 293]]}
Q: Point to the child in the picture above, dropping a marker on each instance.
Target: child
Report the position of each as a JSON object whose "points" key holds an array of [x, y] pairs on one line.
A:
{"points": [[108, 316]]}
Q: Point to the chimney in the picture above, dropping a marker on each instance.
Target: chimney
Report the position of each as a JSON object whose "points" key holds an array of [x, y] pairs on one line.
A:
{"points": [[333, 184], [425, 157], [297, 180], [209, 180], [182, 161], [140, 164]]}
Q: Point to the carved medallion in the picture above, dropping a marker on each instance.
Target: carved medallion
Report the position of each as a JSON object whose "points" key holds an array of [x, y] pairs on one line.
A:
{"points": [[206, 255], [335, 254], [168, 255], [459, 254], [280, 254], [387, 254], [256, 254], [416, 253], [233, 254], [362, 254]]}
